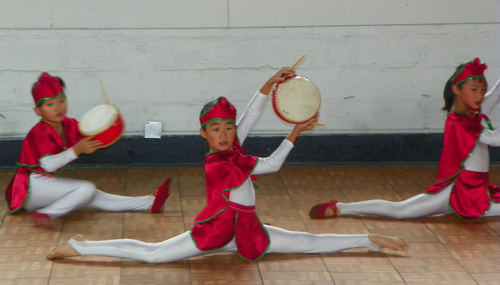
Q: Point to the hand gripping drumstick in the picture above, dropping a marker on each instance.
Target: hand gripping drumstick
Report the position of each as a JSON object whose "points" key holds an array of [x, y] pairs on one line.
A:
{"points": [[104, 95]]}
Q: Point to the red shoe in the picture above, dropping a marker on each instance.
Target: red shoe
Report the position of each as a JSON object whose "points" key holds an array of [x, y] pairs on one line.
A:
{"points": [[41, 220], [161, 195], [319, 211]]}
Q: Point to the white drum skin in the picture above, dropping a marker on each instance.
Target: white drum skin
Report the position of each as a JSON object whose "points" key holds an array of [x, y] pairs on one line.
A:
{"points": [[296, 100], [104, 122], [97, 119]]}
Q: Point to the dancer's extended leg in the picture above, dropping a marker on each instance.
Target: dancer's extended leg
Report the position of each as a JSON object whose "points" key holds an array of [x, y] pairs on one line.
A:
{"points": [[116, 203], [174, 249], [283, 241], [418, 206]]}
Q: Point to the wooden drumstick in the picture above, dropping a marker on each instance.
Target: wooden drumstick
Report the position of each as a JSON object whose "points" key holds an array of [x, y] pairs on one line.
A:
{"points": [[318, 125], [104, 95], [298, 62]]}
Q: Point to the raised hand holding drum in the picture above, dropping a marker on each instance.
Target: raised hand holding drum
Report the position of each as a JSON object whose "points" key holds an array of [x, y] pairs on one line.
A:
{"points": [[296, 100]]}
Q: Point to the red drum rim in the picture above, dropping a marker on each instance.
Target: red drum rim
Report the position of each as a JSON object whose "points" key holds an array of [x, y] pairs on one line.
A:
{"points": [[120, 135], [113, 142], [105, 127], [276, 104]]}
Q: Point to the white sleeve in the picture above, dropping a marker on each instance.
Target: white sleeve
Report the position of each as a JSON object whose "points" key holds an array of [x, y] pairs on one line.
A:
{"points": [[251, 115], [491, 138], [52, 163], [491, 99], [274, 162]]}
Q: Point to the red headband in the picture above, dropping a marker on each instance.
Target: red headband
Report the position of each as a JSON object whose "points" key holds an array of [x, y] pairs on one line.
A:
{"points": [[472, 69], [46, 88], [221, 109]]}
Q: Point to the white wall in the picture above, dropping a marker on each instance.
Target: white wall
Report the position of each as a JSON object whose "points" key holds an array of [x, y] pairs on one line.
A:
{"points": [[380, 65]]}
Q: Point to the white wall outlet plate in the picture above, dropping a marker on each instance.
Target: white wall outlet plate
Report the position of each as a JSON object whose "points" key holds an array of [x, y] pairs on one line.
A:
{"points": [[152, 130]]}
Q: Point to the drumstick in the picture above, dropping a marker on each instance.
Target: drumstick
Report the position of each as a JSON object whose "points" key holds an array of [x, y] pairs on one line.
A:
{"points": [[298, 62], [104, 95], [318, 125]]}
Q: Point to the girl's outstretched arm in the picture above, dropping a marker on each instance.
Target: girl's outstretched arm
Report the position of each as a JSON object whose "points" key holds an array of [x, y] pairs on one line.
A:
{"points": [[257, 105], [274, 162], [491, 99], [251, 116], [307, 126], [491, 138]]}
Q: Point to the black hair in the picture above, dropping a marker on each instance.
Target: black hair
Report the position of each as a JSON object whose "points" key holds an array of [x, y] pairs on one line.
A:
{"points": [[61, 81], [205, 109], [448, 95]]}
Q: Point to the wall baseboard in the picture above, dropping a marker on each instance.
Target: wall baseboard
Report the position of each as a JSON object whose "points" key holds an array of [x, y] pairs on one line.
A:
{"points": [[321, 149]]}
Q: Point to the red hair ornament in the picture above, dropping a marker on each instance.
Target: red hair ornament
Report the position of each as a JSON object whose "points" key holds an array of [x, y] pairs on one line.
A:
{"points": [[472, 69], [46, 88], [221, 110]]}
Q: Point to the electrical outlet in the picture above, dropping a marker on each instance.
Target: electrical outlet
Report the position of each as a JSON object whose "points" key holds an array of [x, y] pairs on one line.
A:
{"points": [[152, 130]]}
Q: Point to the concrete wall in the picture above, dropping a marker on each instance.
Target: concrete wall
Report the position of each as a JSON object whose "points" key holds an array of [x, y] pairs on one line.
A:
{"points": [[380, 65]]}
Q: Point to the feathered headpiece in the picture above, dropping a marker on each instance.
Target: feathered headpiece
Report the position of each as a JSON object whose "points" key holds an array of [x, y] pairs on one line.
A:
{"points": [[46, 88], [221, 109], [472, 69]]}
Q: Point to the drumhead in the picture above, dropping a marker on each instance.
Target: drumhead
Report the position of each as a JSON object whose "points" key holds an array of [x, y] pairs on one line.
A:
{"points": [[297, 100], [98, 119]]}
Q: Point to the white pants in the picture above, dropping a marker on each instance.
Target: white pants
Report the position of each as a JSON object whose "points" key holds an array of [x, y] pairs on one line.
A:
{"points": [[416, 207], [59, 196], [182, 246]]}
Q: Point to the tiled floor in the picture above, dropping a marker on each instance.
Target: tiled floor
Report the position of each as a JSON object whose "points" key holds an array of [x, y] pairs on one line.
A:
{"points": [[443, 250]]}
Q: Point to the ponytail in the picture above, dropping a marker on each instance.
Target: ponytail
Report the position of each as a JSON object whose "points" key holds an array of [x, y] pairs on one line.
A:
{"points": [[448, 95]]}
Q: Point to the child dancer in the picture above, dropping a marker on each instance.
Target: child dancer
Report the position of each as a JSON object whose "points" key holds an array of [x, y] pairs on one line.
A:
{"points": [[462, 184], [229, 222], [50, 146]]}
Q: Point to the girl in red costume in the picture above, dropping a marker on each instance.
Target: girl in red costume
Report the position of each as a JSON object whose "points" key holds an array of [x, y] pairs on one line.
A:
{"points": [[462, 184], [228, 223], [50, 146]]}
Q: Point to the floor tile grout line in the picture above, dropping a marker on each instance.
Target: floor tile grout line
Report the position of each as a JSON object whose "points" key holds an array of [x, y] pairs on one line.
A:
{"points": [[124, 222], [388, 259], [434, 234], [321, 255], [363, 222], [427, 226], [304, 224], [184, 222]]}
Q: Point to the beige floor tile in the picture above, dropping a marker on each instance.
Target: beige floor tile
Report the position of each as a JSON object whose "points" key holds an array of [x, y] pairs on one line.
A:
{"points": [[443, 250]]}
